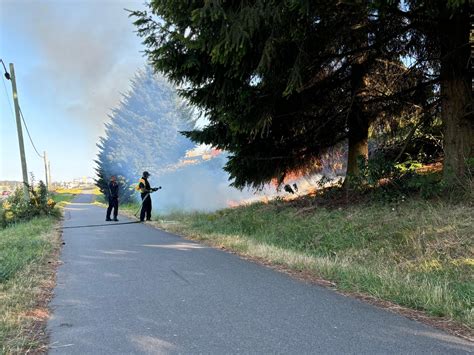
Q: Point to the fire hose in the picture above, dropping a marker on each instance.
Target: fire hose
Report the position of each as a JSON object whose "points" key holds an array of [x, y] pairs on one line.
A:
{"points": [[146, 196]]}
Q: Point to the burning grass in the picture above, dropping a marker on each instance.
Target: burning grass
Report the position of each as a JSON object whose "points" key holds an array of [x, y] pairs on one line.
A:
{"points": [[27, 259], [415, 253]]}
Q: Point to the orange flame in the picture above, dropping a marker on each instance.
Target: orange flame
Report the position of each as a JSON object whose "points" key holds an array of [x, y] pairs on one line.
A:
{"points": [[203, 152], [262, 199]]}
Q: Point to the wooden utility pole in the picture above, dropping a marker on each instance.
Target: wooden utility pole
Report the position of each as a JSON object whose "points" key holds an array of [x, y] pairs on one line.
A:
{"points": [[45, 157], [49, 175], [20, 133]]}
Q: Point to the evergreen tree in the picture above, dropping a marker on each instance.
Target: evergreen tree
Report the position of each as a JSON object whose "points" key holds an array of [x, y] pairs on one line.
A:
{"points": [[439, 41], [143, 133], [281, 81]]}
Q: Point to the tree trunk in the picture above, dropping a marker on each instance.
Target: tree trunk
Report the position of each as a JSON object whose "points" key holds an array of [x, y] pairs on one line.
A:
{"points": [[358, 123], [456, 96]]}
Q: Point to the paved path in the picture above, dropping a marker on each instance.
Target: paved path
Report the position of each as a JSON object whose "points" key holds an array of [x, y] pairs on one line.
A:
{"points": [[129, 288]]}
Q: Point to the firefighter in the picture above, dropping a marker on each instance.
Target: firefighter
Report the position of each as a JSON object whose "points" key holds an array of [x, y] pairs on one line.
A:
{"points": [[145, 191], [113, 194]]}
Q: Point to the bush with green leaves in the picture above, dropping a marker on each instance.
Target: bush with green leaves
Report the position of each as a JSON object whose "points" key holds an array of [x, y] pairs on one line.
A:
{"points": [[388, 180], [16, 208]]}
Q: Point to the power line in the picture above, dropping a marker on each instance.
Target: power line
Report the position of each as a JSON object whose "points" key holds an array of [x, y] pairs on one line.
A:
{"points": [[7, 74], [8, 98], [29, 136]]}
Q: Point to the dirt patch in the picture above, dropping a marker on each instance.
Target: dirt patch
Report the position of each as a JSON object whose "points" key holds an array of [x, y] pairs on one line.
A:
{"points": [[37, 314]]}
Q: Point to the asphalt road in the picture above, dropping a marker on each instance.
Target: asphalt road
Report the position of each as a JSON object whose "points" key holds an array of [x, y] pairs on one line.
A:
{"points": [[130, 288]]}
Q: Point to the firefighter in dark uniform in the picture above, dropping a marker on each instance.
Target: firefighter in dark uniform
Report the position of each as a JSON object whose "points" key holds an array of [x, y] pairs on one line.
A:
{"points": [[113, 193], [145, 191]]}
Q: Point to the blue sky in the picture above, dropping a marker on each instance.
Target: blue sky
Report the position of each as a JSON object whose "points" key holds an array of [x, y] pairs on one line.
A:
{"points": [[73, 59]]}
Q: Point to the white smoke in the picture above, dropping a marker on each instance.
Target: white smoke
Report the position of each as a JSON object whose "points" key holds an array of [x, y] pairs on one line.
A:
{"points": [[86, 51]]}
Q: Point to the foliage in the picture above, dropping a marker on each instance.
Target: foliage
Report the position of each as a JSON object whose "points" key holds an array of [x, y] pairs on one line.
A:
{"points": [[410, 138], [274, 77], [373, 170], [15, 208], [143, 133], [277, 78]]}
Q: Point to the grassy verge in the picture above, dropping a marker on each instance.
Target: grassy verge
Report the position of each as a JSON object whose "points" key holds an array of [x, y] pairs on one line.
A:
{"points": [[62, 199], [129, 209], [28, 253], [64, 196], [65, 192], [415, 253]]}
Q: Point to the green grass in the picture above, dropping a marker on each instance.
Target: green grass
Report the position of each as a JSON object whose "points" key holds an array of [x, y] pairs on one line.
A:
{"points": [[129, 207], [415, 253], [25, 250], [63, 198]]}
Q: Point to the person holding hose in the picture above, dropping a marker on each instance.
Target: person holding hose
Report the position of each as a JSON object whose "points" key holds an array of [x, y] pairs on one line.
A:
{"points": [[145, 191]]}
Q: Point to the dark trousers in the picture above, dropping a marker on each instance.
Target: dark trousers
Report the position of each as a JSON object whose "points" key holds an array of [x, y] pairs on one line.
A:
{"points": [[146, 207], [113, 203]]}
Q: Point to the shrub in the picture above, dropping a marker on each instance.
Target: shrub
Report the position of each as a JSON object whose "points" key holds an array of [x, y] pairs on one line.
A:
{"points": [[15, 208]]}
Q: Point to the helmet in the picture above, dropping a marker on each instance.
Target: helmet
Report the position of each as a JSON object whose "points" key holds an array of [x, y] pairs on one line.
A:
{"points": [[146, 174]]}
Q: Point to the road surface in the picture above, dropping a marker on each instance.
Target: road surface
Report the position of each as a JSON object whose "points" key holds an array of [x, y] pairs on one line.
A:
{"points": [[130, 288]]}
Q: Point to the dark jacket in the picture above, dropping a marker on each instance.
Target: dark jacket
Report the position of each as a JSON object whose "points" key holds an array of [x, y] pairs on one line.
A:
{"points": [[113, 189]]}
